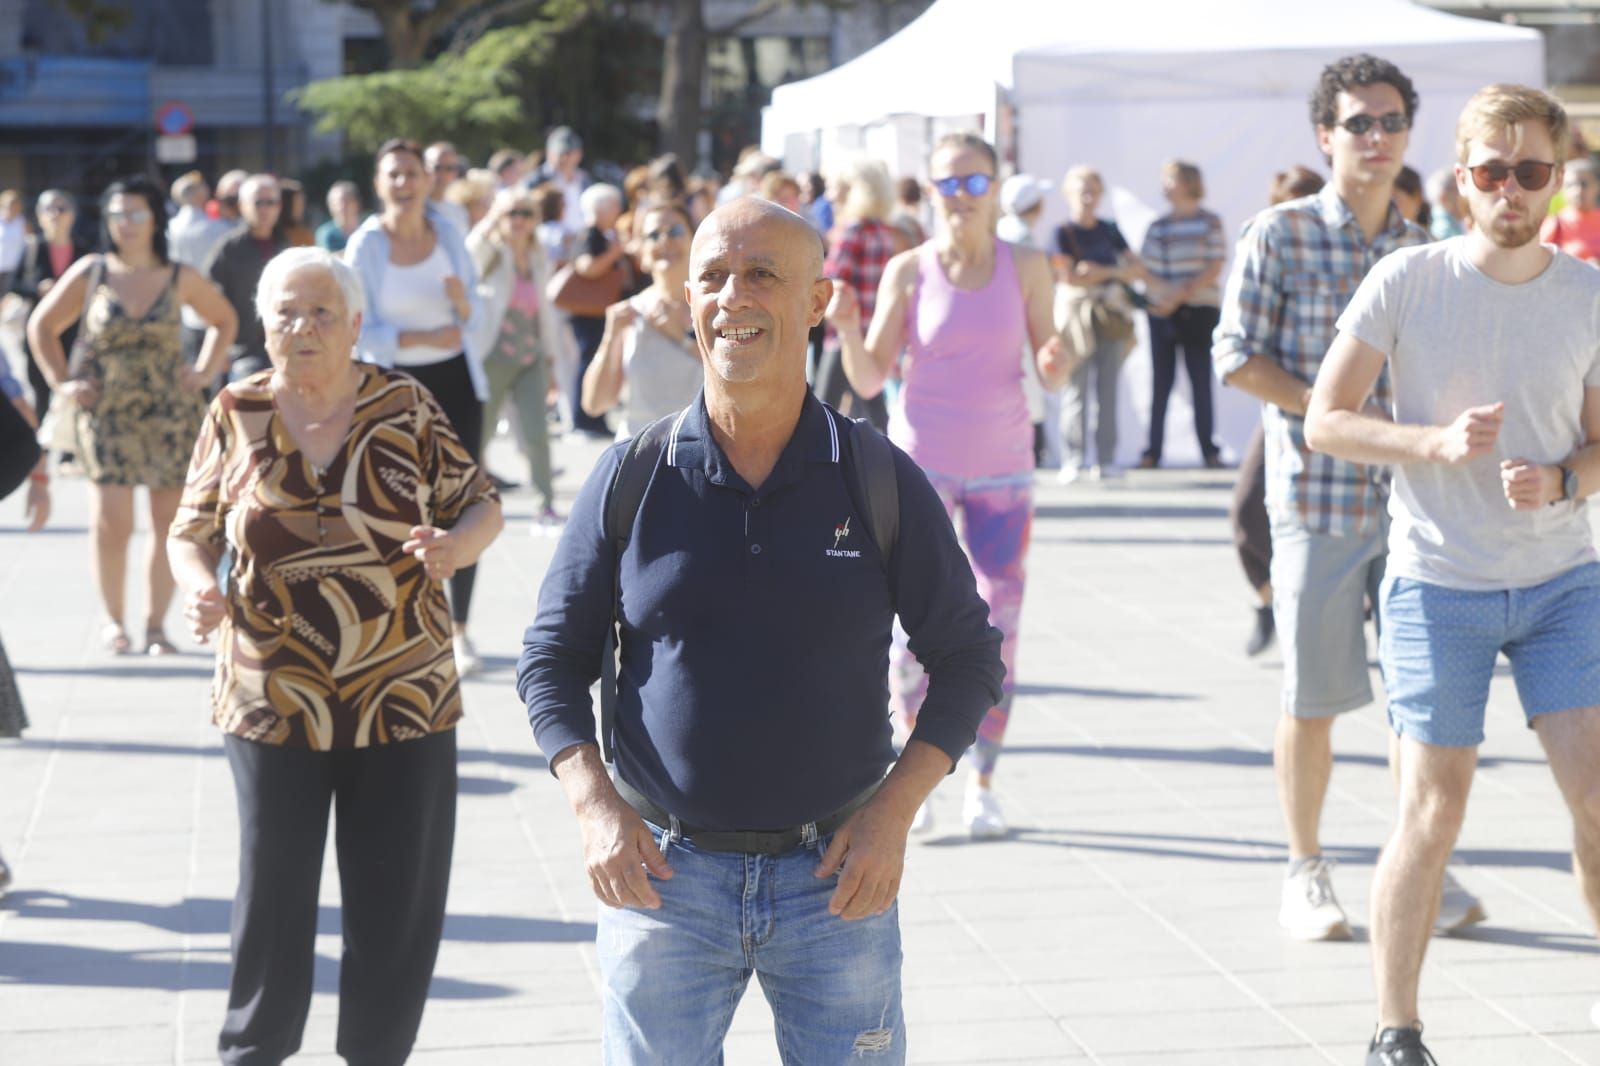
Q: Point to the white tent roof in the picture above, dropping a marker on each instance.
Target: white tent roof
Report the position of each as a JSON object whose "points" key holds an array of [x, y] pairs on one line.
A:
{"points": [[949, 61]]}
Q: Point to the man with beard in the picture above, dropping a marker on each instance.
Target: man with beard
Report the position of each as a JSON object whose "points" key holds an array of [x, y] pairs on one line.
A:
{"points": [[1495, 442]]}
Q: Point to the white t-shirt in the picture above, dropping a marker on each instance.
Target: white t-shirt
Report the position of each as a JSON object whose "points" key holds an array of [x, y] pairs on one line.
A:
{"points": [[1456, 339], [412, 299]]}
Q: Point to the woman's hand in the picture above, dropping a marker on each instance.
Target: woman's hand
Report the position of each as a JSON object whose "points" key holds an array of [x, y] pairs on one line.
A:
{"points": [[190, 379], [204, 609], [620, 315], [435, 549], [456, 293], [844, 308], [37, 510], [85, 392]]}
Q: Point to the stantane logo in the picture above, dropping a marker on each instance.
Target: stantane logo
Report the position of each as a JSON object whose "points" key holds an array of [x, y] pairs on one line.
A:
{"points": [[842, 532]]}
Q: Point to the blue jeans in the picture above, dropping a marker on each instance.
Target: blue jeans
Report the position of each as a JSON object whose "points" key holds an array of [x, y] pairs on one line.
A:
{"points": [[674, 976]]}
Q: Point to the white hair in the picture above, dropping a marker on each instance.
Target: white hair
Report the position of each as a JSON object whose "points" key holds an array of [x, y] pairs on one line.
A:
{"points": [[590, 199], [294, 260]]}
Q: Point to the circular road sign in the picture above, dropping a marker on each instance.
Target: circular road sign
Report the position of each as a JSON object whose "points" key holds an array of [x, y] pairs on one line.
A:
{"points": [[174, 118]]}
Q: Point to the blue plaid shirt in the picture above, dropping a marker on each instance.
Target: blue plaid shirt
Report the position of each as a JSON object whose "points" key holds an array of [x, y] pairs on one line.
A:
{"points": [[1295, 269]]}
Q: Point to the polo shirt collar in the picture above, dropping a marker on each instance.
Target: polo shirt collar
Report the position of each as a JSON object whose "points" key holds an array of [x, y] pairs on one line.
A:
{"points": [[690, 445], [1338, 215]]}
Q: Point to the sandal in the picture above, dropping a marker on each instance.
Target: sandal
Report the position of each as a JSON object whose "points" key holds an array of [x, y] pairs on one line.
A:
{"points": [[156, 644], [115, 639]]}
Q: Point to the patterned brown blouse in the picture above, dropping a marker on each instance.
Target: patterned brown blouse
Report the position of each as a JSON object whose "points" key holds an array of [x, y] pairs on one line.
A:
{"points": [[334, 637]]}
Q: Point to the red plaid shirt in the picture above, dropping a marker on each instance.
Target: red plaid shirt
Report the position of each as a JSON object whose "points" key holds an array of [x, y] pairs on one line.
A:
{"points": [[857, 259]]}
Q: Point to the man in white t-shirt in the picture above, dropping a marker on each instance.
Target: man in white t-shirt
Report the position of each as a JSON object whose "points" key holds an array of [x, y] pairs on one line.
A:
{"points": [[1492, 341]]}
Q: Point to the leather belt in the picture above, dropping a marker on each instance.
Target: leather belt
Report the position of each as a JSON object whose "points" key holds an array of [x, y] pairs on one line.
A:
{"points": [[754, 842]]}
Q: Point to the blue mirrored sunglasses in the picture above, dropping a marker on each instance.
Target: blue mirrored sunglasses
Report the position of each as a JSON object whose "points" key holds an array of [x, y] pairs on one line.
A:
{"points": [[975, 184]]}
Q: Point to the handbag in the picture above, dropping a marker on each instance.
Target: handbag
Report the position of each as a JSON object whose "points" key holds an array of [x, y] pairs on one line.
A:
{"points": [[58, 430], [575, 294], [1111, 304]]}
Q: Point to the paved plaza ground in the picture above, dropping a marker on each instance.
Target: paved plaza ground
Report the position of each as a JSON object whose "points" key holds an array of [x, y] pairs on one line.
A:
{"points": [[1128, 921]]}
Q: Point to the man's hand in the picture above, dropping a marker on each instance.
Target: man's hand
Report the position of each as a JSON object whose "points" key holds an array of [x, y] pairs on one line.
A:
{"points": [[1471, 436], [618, 849], [871, 846], [203, 610], [435, 549], [1528, 485]]}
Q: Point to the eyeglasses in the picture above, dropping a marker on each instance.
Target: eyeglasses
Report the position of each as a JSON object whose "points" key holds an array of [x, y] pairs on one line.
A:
{"points": [[975, 184], [53, 209], [1531, 174], [673, 231], [522, 212], [267, 203], [1361, 125], [138, 216]]}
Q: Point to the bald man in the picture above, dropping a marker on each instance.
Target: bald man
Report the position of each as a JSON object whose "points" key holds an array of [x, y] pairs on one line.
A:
{"points": [[759, 813]]}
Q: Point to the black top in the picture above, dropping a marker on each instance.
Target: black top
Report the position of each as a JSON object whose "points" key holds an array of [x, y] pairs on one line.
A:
{"points": [[35, 267], [236, 265], [1101, 243], [753, 690]]}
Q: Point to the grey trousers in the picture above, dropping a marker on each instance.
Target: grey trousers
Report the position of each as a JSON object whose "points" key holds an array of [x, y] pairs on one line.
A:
{"points": [[525, 385], [1105, 364]]}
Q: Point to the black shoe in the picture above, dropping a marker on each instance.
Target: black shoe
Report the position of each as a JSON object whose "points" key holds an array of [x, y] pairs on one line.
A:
{"points": [[1399, 1047], [501, 484], [1261, 636]]}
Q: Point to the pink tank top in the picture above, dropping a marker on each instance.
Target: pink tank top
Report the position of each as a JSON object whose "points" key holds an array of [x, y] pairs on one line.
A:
{"points": [[961, 410]]}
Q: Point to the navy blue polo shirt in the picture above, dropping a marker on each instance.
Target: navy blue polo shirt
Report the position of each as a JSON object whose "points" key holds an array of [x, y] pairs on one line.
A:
{"points": [[753, 686]]}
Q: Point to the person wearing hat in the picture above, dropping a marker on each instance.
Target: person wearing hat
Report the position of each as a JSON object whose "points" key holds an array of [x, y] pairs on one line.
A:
{"points": [[563, 156], [1021, 204]]}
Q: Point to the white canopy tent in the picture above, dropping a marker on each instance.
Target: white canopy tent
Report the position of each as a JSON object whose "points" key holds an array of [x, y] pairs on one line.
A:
{"points": [[1123, 86]]}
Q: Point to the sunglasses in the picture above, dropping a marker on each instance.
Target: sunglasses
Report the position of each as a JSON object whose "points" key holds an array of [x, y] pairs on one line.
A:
{"points": [[674, 231], [267, 203], [1531, 175], [522, 212], [53, 209], [1361, 125], [138, 216], [975, 184]]}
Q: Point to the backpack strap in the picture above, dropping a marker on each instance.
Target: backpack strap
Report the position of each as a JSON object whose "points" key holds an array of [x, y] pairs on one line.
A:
{"points": [[878, 489], [634, 471]]}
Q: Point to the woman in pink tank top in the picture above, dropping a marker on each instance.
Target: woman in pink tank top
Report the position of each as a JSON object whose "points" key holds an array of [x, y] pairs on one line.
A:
{"points": [[959, 307]]}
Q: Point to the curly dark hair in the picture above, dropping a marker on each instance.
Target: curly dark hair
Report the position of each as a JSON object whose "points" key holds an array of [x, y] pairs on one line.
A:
{"points": [[155, 200], [1342, 75]]}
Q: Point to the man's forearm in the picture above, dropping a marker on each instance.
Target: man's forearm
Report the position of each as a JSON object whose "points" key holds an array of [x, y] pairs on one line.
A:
{"points": [[913, 778], [1367, 438], [1270, 383], [583, 776]]}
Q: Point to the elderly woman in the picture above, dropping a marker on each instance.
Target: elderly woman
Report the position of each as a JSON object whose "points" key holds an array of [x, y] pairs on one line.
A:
{"points": [[862, 246], [422, 318], [648, 360], [138, 404], [518, 331], [599, 254], [345, 498]]}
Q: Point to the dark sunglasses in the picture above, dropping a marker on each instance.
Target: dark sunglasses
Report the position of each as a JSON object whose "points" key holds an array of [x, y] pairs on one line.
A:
{"points": [[677, 229], [1361, 125], [138, 216], [521, 212], [1531, 174], [975, 184], [267, 203]]}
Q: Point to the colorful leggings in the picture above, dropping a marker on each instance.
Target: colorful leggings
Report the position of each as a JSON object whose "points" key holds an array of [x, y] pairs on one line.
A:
{"points": [[996, 519]]}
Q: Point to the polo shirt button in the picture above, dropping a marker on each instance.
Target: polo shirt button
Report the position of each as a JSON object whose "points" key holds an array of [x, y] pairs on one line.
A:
{"points": [[755, 549], [756, 502]]}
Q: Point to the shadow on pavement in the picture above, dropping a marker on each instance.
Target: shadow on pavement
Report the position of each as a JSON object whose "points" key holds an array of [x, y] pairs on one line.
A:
{"points": [[1167, 542], [1026, 689], [517, 760], [1219, 756], [1127, 510]]}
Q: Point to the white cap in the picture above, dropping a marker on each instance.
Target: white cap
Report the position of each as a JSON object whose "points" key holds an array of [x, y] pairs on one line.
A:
{"points": [[1022, 192]]}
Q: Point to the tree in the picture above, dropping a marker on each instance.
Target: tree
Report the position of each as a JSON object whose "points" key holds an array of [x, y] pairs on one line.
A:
{"points": [[409, 28]]}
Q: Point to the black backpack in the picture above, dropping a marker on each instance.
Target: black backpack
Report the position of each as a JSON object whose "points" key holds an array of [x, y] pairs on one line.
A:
{"points": [[870, 477]]}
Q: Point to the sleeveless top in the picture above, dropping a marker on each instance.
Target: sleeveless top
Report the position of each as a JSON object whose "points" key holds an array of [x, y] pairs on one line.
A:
{"points": [[961, 410], [660, 375]]}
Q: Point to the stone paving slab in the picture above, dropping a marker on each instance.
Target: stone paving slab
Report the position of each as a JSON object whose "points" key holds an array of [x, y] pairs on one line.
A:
{"points": [[1128, 921]]}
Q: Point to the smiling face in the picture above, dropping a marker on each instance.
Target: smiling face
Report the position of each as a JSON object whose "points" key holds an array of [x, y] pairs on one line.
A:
{"points": [[663, 239], [310, 332], [401, 182], [755, 288], [1511, 215], [130, 222], [1373, 156], [260, 204]]}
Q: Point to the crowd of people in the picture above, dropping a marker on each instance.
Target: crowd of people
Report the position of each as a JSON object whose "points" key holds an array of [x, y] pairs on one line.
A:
{"points": [[308, 411]]}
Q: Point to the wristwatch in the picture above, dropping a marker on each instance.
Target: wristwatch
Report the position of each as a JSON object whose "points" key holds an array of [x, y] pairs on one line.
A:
{"points": [[1569, 483]]}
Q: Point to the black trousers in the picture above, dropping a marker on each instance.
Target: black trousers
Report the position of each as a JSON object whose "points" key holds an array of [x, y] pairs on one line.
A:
{"points": [[1252, 530], [1189, 329], [451, 384], [396, 817], [588, 332]]}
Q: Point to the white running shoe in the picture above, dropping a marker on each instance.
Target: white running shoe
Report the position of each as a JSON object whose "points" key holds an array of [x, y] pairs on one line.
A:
{"points": [[981, 813], [467, 661], [1458, 908], [1310, 911], [1071, 474]]}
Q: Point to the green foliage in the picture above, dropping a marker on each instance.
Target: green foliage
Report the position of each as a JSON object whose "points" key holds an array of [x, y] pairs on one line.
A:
{"points": [[472, 98], [101, 20]]}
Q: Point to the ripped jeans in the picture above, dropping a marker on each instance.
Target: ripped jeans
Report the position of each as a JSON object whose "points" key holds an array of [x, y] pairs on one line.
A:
{"points": [[672, 977]]}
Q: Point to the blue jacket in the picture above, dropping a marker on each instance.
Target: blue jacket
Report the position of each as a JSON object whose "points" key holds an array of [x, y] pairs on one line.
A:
{"points": [[367, 252]]}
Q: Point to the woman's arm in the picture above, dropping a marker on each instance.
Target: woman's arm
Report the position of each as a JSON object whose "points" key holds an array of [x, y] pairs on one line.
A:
{"points": [[444, 551], [207, 301], [602, 382], [1038, 295], [593, 265], [868, 363], [194, 567], [58, 309]]}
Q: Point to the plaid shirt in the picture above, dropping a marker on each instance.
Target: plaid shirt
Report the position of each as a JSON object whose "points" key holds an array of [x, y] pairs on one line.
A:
{"points": [[1296, 267], [857, 259]]}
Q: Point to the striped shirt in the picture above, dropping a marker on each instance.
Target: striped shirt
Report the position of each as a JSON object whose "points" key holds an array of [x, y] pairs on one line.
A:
{"points": [[1297, 265], [1176, 249]]}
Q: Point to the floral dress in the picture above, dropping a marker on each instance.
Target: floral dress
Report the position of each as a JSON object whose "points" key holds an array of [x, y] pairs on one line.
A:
{"points": [[142, 428]]}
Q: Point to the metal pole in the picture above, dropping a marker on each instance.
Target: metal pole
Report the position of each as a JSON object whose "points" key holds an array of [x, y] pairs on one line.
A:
{"points": [[268, 103]]}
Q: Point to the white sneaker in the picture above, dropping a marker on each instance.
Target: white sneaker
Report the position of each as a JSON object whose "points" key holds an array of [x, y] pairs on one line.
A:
{"points": [[1309, 910], [981, 812], [467, 661], [923, 822], [1071, 474], [1458, 908]]}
